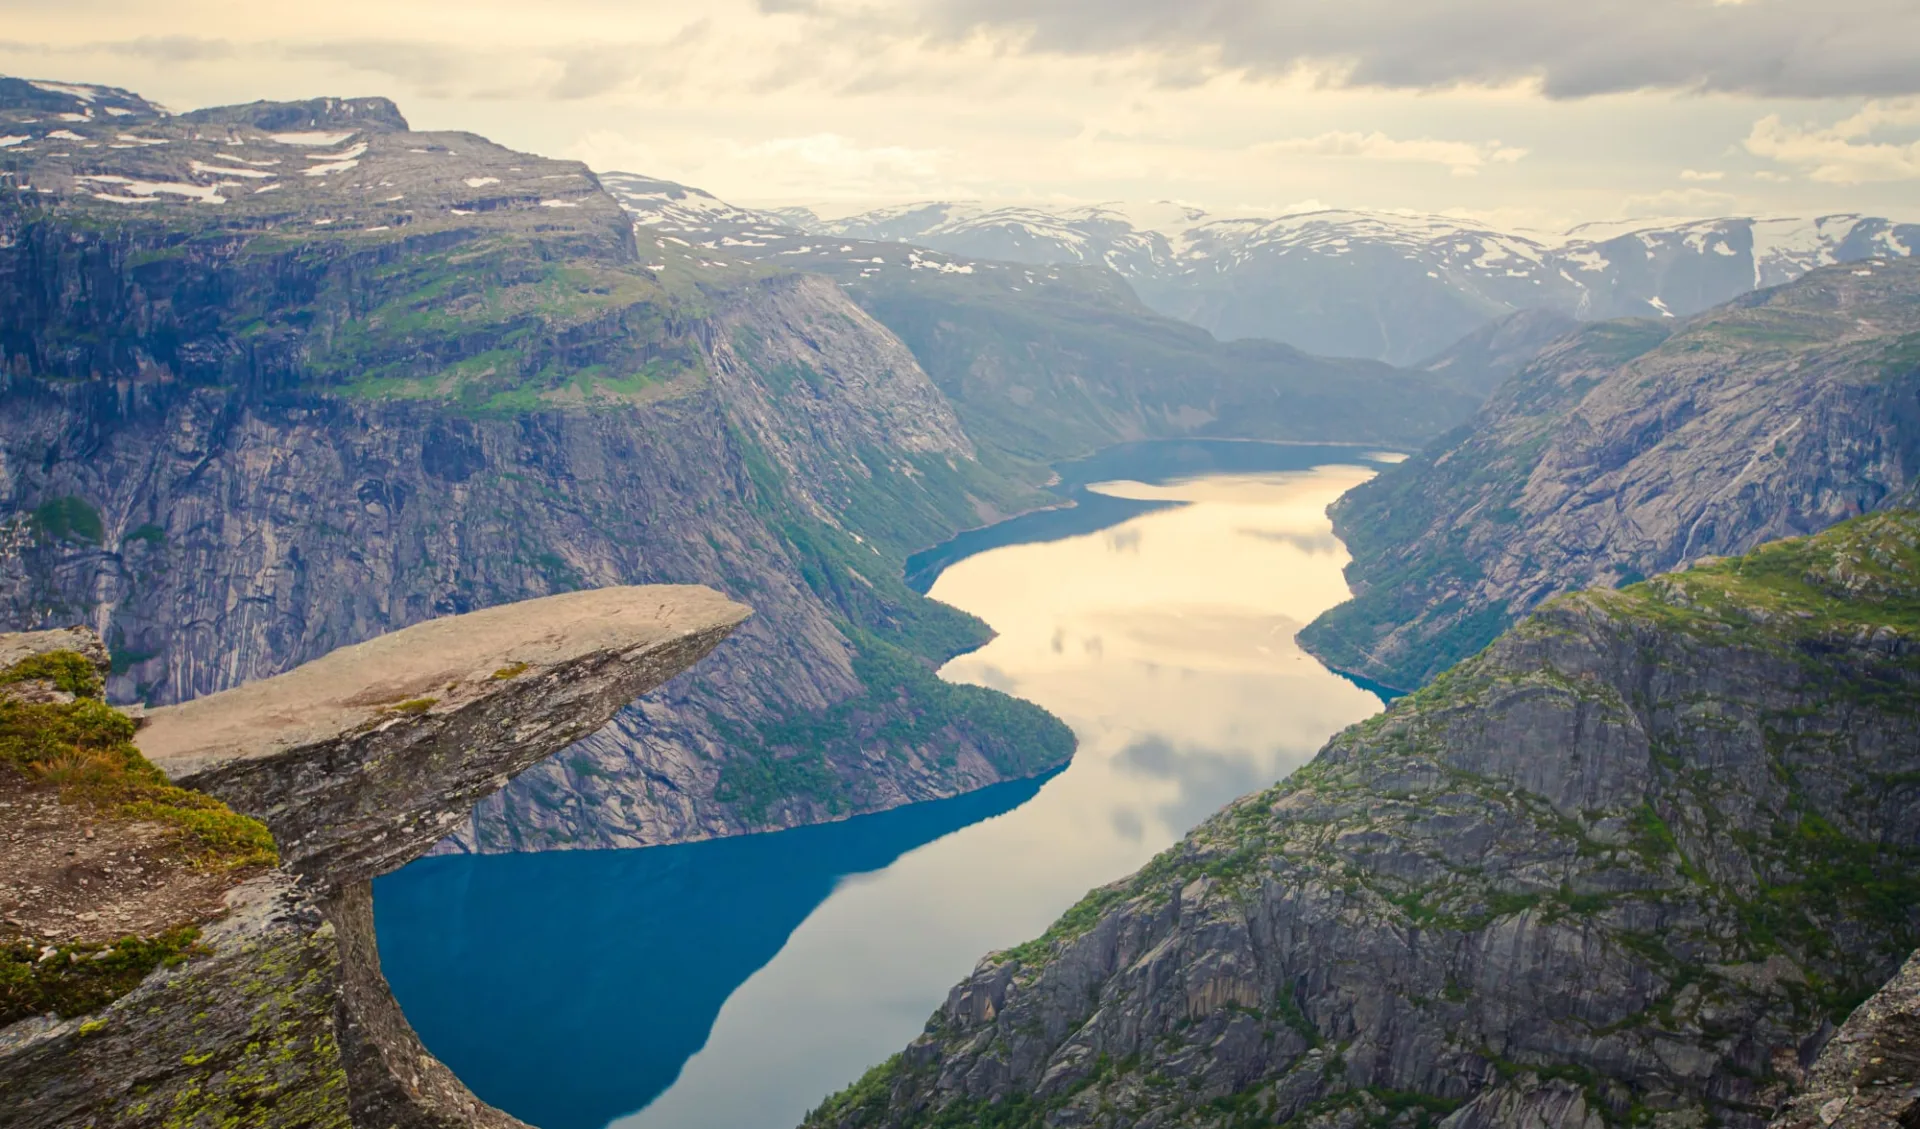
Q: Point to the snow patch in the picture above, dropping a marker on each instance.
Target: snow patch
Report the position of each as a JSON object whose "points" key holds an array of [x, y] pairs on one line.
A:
{"points": [[10, 140], [84, 93], [317, 138], [558, 204], [138, 191], [205, 169], [275, 187], [65, 135], [481, 181]]}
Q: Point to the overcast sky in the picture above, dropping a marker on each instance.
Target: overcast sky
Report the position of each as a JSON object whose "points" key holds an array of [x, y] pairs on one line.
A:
{"points": [[1538, 113]]}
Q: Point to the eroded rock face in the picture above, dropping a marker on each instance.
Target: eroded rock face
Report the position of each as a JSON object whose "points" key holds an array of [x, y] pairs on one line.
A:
{"points": [[1630, 863], [1869, 1075], [357, 762]]}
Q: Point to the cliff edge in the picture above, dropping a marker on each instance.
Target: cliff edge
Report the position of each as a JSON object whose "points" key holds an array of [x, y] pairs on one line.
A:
{"points": [[266, 1006]]}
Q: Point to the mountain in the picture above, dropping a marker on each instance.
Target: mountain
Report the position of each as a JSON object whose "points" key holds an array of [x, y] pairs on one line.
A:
{"points": [[1047, 363], [277, 378], [1389, 286], [1483, 360], [1629, 448], [1625, 867], [281, 377]]}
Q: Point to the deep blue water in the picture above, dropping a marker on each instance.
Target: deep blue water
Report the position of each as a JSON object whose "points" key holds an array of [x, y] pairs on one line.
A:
{"points": [[731, 984], [568, 987]]}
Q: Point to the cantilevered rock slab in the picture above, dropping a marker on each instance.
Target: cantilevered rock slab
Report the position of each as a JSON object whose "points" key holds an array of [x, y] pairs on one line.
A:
{"points": [[361, 760]]}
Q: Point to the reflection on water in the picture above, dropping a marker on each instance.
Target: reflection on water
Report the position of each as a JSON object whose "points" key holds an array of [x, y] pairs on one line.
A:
{"points": [[1165, 640], [568, 987]]}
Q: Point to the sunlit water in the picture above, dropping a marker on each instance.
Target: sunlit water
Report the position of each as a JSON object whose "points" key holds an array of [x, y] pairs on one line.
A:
{"points": [[732, 984]]}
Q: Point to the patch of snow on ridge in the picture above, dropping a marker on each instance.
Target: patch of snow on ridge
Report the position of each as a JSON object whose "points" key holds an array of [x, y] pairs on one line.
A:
{"points": [[65, 135], [205, 169], [10, 140], [317, 138], [359, 150], [481, 181], [84, 93], [142, 191], [333, 167], [558, 204]]}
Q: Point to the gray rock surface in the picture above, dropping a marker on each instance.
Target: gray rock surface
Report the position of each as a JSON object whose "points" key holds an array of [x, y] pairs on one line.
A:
{"points": [[360, 760], [1627, 866], [1628, 449], [1868, 1077]]}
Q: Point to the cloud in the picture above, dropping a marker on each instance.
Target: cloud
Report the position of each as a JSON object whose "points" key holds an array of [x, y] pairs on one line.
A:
{"points": [[1465, 158], [1674, 202], [828, 164], [1843, 153], [1696, 174], [1774, 48]]}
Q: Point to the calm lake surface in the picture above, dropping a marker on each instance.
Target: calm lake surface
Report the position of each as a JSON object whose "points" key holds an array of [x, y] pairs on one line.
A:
{"points": [[732, 984]]}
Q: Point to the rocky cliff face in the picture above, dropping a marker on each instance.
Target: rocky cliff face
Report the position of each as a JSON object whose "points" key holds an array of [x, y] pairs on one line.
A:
{"points": [[406, 374], [1869, 1075], [1627, 449], [1625, 867], [277, 1014]]}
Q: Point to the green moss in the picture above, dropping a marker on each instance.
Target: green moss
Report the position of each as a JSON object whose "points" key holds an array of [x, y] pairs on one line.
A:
{"points": [[80, 977], [85, 747], [412, 707], [862, 1103], [508, 672], [67, 670], [71, 518]]}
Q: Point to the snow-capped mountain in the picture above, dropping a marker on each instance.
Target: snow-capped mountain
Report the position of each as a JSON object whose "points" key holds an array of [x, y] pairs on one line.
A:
{"points": [[676, 208], [1388, 285]]}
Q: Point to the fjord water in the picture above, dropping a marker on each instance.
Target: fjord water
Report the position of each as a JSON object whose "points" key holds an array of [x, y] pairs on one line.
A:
{"points": [[732, 984]]}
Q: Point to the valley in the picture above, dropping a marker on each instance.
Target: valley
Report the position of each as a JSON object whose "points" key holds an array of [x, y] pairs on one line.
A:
{"points": [[1474, 669], [1162, 639]]}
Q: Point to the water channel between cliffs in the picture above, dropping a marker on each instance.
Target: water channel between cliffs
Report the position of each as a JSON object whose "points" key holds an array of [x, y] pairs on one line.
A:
{"points": [[732, 984]]}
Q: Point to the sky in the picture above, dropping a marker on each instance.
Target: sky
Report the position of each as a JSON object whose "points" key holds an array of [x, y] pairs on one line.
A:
{"points": [[1522, 113]]}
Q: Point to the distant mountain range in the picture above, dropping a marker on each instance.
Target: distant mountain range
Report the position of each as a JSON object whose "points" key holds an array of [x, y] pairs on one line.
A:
{"points": [[1385, 286]]}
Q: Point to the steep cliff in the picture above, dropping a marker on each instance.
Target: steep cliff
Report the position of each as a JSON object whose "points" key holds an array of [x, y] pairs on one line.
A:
{"points": [[1626, 449], [265, 1005], [281, 377], [1624, 867]]}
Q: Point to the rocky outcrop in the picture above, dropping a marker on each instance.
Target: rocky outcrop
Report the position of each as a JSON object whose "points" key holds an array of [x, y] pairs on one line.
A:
{"points": [[360, 760], [1869, 1075], [1626, 866], [280, 1016], [1630, 448]]}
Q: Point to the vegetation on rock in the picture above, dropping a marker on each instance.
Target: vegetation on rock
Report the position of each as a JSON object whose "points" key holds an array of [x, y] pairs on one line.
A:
{"points": [[85, 748]]}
